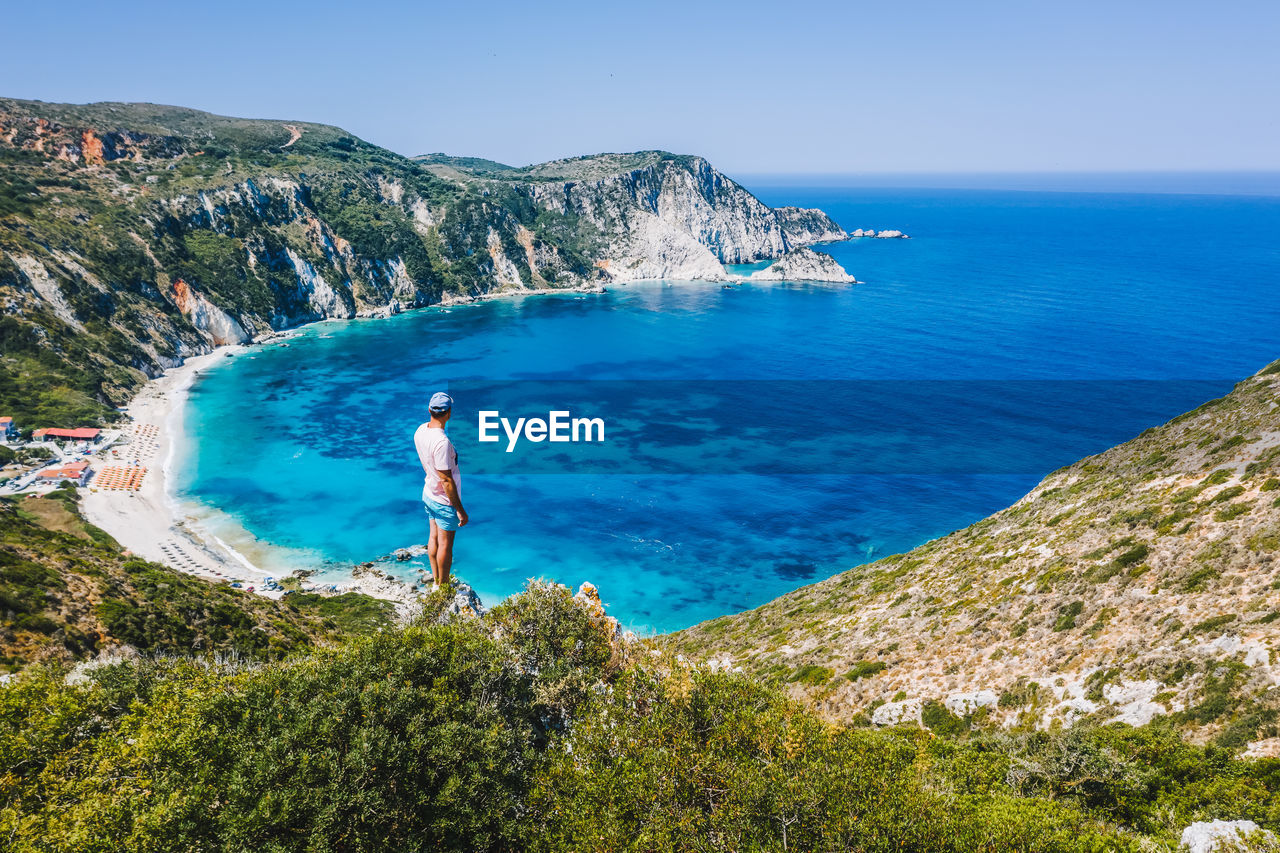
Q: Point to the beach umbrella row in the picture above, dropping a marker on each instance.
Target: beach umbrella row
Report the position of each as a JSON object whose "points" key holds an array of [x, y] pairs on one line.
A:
{"points": [[120, 477]]}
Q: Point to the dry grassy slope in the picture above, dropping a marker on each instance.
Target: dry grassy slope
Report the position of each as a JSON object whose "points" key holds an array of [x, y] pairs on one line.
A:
{"points": [[1138, 582]]}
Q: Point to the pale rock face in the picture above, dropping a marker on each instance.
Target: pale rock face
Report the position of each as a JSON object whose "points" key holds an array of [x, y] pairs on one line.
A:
{"points": [[1208, 836], [653, 249], [896, 713], [1070, 710], [1256, 654], [401, 282], [890, 235], [696, 205], [804, 265], [323, 299], [505, 272], [1135, 700], [963, 704], [48, 290], [1227, 644], [1265, 748], [422, 218], [220, 326], [805, 226], [392, 192]]}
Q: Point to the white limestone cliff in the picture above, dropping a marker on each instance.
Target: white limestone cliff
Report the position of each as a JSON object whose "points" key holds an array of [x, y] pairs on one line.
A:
{"points": [[650, 219], [804, 265]]}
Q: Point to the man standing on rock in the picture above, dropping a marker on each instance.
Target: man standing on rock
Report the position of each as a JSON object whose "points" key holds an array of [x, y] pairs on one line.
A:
{"points": [[442, 489]]}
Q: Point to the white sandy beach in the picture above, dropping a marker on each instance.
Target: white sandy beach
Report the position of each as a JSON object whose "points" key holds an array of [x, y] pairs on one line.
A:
{"points": [[148, 521], [152, 523]]}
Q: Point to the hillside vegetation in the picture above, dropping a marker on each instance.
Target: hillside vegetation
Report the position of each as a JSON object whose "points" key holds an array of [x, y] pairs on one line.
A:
{"points": [[535, 728], [68, 593], [1138, 583]]}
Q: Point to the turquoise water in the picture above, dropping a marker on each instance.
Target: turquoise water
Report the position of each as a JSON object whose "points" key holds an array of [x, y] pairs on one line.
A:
{"points": [[764, 436]]}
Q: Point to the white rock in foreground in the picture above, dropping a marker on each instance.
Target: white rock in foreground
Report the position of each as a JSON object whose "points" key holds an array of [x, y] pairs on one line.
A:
{"points": [[1208, 836], [897, 713], [964, 704], [804, 265], [465, 601]]}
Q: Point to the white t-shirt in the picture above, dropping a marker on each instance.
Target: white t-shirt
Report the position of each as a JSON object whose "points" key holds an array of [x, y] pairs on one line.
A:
{"points": [[437, 454]]}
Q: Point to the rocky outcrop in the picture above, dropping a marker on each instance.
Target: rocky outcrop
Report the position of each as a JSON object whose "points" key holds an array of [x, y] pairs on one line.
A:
{"points": [[804, 265], [1215, 835], [898, 713], [651, 248], [805, 226], [220, 326], [46, 287], [678, 217], [465, 603]]}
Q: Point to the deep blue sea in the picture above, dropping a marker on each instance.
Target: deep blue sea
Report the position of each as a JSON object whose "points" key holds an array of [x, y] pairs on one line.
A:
{"points": [[759, 437]]}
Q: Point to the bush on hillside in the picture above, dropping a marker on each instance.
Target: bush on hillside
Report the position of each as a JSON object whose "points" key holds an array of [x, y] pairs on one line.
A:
{"points": [[530, 729]]}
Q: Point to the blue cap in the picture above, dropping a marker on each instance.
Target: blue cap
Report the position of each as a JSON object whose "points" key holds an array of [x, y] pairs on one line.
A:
{"points": [[440, 402]]}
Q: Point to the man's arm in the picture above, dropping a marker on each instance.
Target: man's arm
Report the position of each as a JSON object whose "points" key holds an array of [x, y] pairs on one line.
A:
{"points": [[451, 490]]}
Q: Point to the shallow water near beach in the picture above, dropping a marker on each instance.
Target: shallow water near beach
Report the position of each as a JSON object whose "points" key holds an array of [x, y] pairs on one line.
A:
{"points": [[761, 437]]}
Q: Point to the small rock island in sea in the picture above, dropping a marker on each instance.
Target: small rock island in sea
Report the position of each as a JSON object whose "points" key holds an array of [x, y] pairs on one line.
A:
{"points": [[804, 265], [883, 235]]}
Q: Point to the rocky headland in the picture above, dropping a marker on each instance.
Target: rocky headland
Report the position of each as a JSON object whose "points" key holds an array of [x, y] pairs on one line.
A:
{"points": [[804, 265]]}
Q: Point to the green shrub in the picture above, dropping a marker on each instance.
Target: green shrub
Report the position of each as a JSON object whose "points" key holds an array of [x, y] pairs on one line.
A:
{"points": [[865, 669], [1067, 614], [732, 767], [938, 719], [1234, 511], [1133, 556], [1020, 695], [812, 674], [1212, 624], [1227, 494], [1198, 581]]}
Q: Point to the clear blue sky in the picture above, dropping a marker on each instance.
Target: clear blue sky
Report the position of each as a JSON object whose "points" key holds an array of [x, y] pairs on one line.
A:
{"points": [[755, 86]]}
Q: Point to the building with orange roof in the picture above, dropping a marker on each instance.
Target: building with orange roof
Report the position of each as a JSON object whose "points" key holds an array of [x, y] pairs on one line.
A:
{"points": [[74, 472], [8, 430], [80, 433]]}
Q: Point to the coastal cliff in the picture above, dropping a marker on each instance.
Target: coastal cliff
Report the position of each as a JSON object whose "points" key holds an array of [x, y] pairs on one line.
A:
{"points": [[133, 236], [674, 217]]}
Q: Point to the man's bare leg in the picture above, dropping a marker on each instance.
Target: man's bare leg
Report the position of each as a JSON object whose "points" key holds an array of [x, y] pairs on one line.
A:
{"points": [[432, 547], [444, 555]]}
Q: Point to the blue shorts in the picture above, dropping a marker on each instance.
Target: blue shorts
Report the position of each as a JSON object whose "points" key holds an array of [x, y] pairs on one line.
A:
{"points": [[444, 515]]}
